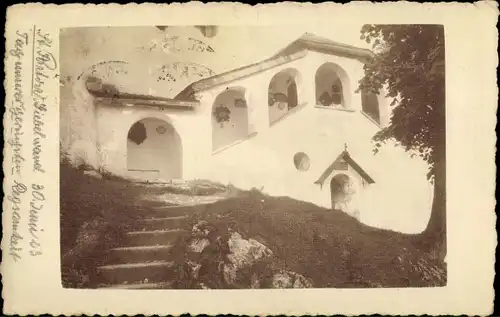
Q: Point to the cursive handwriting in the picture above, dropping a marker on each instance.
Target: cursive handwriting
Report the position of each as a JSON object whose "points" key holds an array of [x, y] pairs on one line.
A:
{"points": [[36, 206], [15, 237], [17, 108], [43, 64]]}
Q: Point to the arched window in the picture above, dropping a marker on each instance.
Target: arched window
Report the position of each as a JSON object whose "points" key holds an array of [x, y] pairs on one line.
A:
{"points": [[370, 106], [229, 117], [332, 86], [283, 93]]}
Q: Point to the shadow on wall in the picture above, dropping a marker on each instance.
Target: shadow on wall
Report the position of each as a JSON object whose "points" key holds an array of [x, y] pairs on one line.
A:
{"points": [[332, 86], [229, 117], [343, 190], [154, 148], [283, 93]]}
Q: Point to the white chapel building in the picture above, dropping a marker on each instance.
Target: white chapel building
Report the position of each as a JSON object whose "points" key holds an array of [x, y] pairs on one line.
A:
{"points": [[291, 124]]}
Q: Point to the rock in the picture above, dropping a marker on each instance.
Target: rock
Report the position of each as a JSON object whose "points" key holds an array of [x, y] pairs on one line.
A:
{"points": [[202, 286], [243, 253], [92, 174], [200, 228], [230, 271], [179, 181], [246, 252], [198, 245], [288, 279], [195, 268], [89, 236], [254, 281]]}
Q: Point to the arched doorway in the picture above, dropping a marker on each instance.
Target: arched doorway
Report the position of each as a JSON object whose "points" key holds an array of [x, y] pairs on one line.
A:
{"points": [[332, 86], [343, 193], [229, 117], [154, 149], [283, 94]]}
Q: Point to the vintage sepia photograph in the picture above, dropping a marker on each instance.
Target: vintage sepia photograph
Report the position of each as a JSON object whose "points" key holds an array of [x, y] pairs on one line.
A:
{"points": [[252, 157]]}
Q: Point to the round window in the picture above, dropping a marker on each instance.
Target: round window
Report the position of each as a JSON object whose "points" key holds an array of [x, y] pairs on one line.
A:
{"points": [[301, 161]]}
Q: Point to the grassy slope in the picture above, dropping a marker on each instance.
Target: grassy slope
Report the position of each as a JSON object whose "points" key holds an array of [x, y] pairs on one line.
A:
{"points": [[94, 215], [330, 248]]}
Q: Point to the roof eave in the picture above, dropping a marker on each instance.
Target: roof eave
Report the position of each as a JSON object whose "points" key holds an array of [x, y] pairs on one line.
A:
{"points": [[157, 103], [329, 170], [239, 73], [108, 94], [359, 54], [358, 168]]}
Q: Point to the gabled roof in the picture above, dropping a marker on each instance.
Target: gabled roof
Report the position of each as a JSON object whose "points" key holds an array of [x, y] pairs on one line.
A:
{"points": [[109, 94], [312, 42], [295, 50], [344, 156]]}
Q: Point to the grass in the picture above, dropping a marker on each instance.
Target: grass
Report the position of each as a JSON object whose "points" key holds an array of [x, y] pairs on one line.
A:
{"points": [[95, 213], [328, 247]]}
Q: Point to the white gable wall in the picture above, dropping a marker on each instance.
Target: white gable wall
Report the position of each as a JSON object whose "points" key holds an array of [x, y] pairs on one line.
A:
{"points": [[266, 161], [401, 197]]}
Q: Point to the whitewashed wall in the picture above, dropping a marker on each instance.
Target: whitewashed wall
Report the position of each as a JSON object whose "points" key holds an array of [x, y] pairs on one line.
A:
{"points": [[400, 199]]}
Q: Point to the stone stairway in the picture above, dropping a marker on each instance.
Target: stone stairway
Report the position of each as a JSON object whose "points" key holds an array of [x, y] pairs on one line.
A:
{"points": [[141, 262]]}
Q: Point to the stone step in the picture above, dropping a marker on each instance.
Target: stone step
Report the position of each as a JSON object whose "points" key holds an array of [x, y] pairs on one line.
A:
{"points": [[159, 285], [133, 273], [172, 211], [159, 223], [138, 254], [153, 237]]}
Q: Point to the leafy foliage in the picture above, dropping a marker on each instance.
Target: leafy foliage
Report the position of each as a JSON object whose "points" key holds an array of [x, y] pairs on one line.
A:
{"points": [[409, 64]]}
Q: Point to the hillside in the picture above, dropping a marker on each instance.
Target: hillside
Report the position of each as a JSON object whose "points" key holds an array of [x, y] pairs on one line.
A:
{"points": [[329, 248], [322, 247]]}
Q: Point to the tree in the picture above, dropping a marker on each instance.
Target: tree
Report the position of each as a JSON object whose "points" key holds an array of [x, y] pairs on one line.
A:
{"points": [[408, 63]]}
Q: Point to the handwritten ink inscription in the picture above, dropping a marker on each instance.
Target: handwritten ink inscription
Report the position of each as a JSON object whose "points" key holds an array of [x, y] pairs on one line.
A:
{"points": [[17, 191], [44, 65], [17, 109], [16, 114], [36, 206]]}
